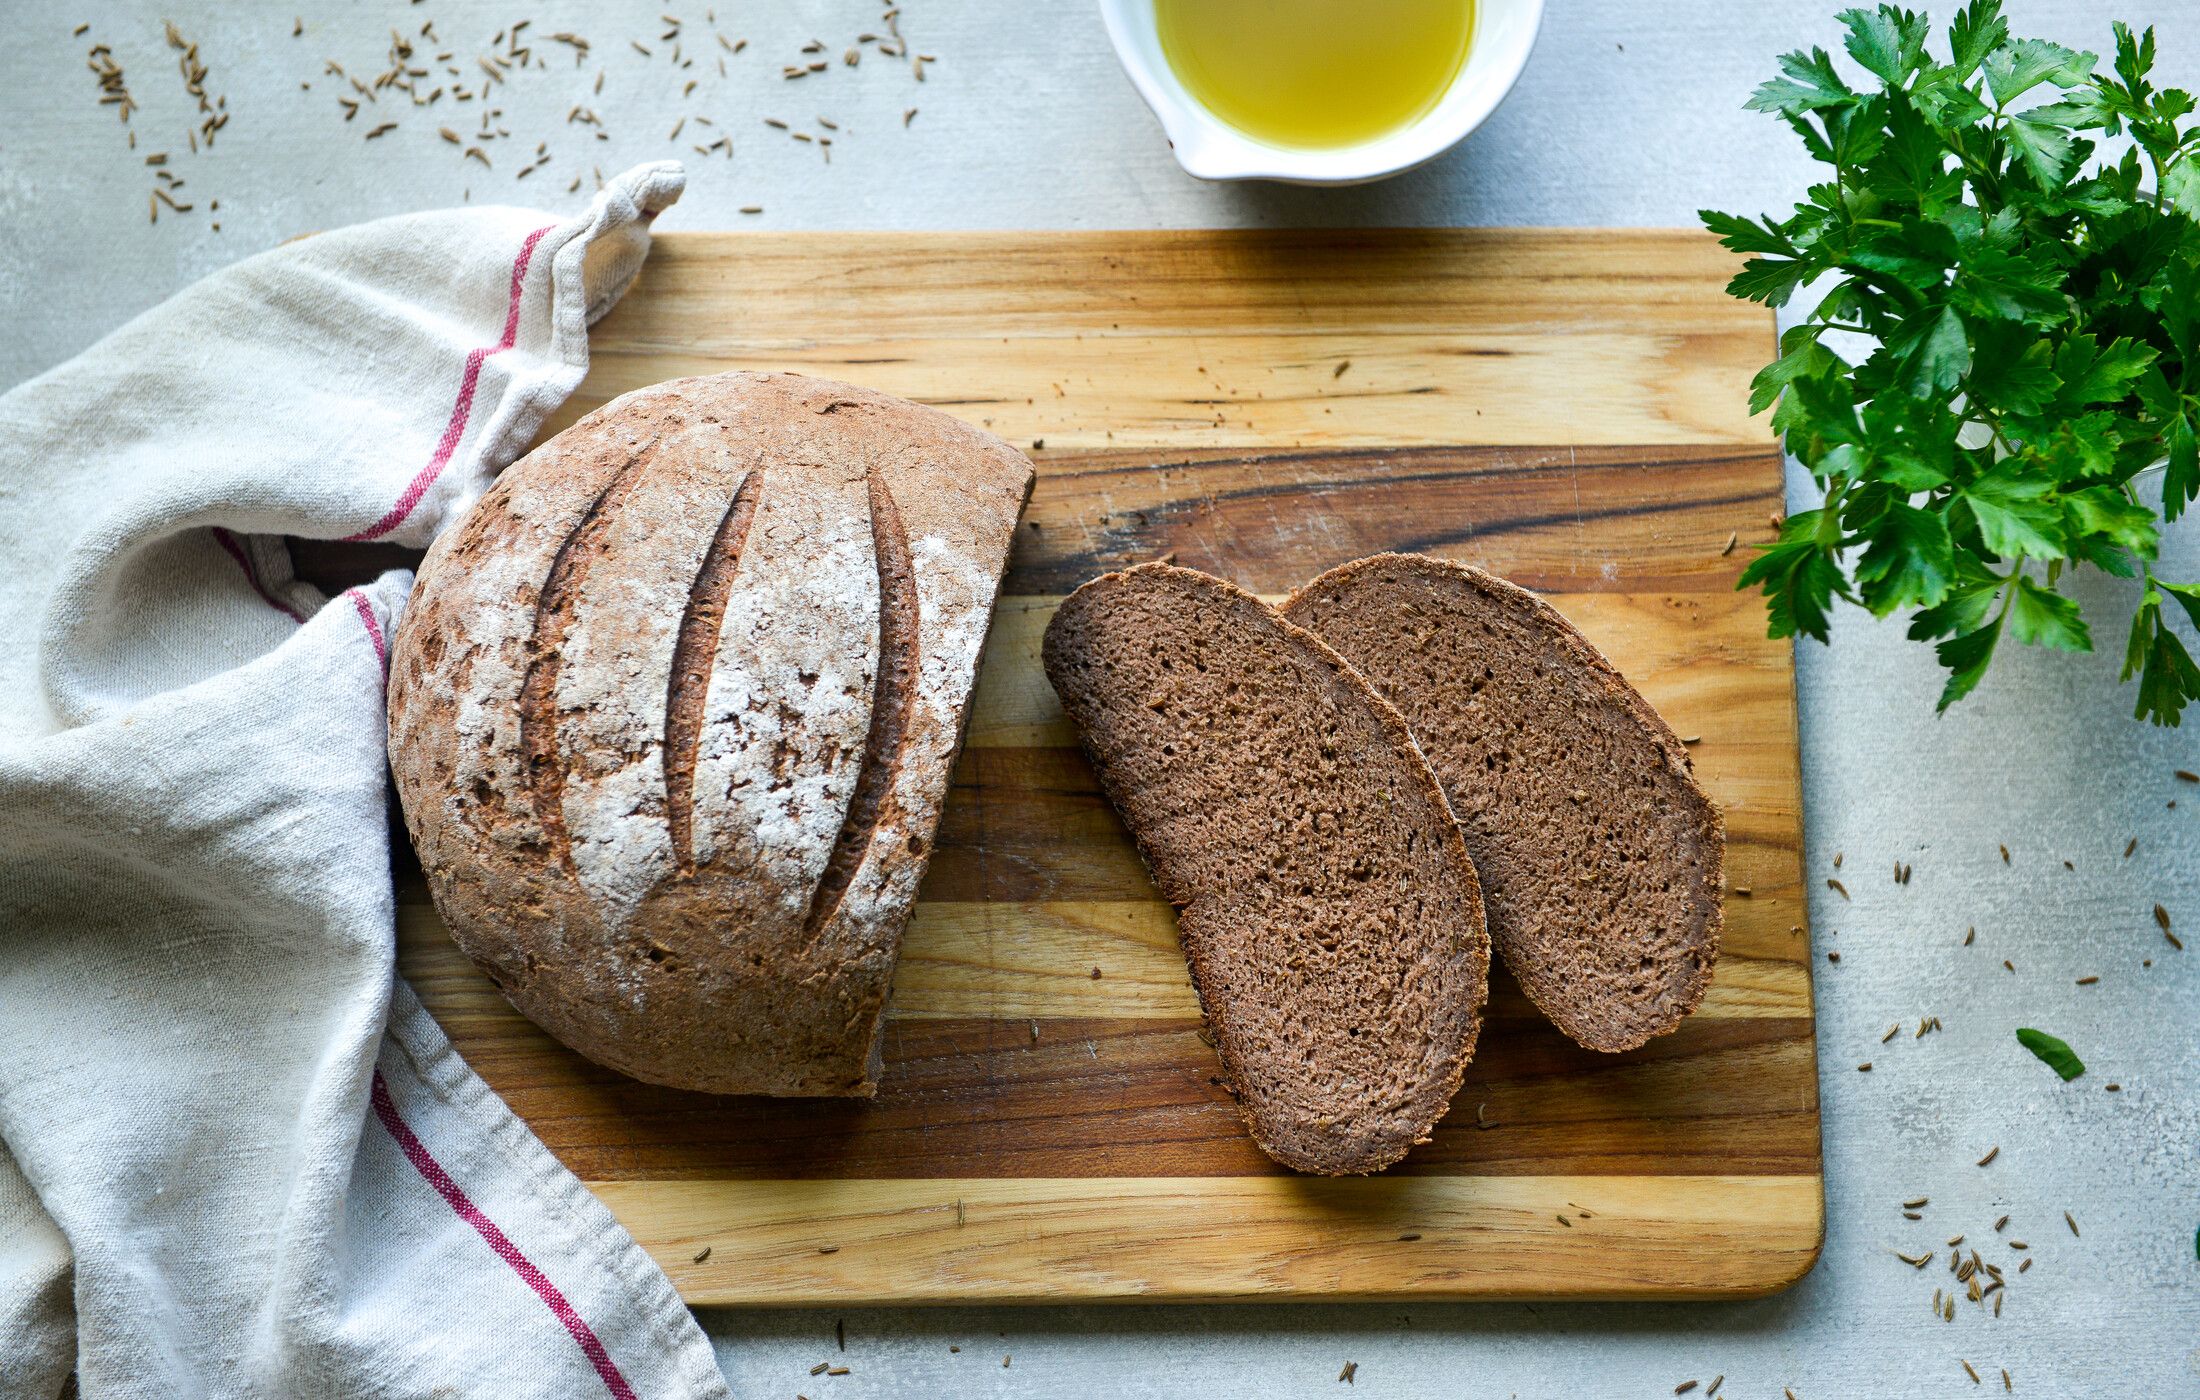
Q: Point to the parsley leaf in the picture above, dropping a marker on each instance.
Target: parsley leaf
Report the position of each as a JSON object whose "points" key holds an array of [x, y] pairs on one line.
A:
{"points": [[2014, 515], [1907, 560], [1800, 578], [1888, 42], [1806, 83], [2054, 1053], [2042, 618], [2030, 406], [1977, 32], [2017, 67]]}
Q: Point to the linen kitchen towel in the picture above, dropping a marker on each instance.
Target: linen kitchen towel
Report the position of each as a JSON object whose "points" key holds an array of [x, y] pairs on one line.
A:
{"points": [[240, 1160]]}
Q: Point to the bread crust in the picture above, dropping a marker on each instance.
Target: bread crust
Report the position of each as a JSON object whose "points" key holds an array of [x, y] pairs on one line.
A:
{"points": [[1231, 826], [673, 711], [1561, 976]]}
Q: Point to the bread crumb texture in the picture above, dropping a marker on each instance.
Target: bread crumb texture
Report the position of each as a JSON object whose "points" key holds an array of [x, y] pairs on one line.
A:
{"points": [[1600, 857], [1326, 904]]}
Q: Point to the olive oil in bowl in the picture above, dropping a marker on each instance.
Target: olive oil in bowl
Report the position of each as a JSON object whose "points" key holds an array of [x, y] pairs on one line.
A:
{"points": [[1316, 74]]}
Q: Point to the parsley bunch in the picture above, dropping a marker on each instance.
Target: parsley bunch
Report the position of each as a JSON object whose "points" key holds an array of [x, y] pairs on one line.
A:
{"points": [[2033, 313]]}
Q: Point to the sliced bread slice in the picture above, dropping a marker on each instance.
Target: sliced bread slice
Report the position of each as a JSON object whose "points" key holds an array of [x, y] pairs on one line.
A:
{"points": [[1600, 857], [1326, 903]]}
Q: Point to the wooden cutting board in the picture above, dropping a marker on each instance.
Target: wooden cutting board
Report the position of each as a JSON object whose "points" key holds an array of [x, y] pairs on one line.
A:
{"points": [[1564, 408]]}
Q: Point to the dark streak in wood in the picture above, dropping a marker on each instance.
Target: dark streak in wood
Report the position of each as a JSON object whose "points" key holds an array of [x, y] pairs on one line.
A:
{"points": [[1103, 1097], [1521, 511]]}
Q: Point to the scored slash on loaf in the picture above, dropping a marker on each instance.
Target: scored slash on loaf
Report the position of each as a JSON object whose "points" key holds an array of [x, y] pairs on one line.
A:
{"points": [[672, 715]]}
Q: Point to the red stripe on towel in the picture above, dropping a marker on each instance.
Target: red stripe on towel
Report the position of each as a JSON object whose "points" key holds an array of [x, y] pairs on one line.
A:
{"points": [[456, 427], [424, 1161], [235, 547], [368, 620]]}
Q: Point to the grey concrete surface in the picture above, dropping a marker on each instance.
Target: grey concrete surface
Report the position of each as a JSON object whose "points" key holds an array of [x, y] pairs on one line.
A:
{"points": [[1629, 114]]}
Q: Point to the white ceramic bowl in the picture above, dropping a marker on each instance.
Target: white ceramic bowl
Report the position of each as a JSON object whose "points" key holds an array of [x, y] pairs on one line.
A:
{"points": [[1212, 149]]}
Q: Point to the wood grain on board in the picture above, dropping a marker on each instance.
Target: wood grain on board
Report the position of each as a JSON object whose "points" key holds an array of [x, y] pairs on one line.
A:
{"points": [[1566, 408]]}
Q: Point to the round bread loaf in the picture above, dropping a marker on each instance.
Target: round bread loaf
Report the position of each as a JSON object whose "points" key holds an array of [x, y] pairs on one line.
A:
{"points": [[672, 715]]}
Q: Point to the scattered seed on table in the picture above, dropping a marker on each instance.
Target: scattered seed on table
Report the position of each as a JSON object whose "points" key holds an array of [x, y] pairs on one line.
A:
{"points": [[1968, 1371], [2005, 855], [1999, 1224], [1684, 1387], [1734, 538], [1970, 935], [1865, 1067], [1891, 1031], [2025, 1265], [2187, 776], [2071, 1221], [1991, 1154], [2008, 964], [1919, 1204], [1915, 1261], [819, 1368], [2130, 846], [2087, 981], [1838, 888]]}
